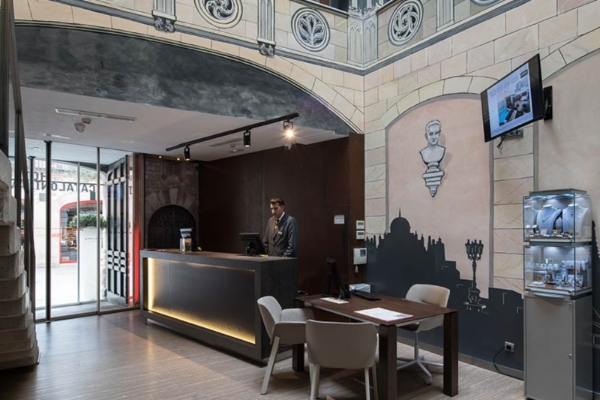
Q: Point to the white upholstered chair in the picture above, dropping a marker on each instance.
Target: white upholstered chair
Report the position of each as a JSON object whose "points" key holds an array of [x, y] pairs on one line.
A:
{"points": [[341, 345], [284, 327], [429, 294]]}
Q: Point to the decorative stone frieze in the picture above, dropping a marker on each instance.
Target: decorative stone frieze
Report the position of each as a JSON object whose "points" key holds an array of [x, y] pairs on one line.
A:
{"points": [[355, 41], [362, 35], [445, 13], [163, 12], [266, 27]]}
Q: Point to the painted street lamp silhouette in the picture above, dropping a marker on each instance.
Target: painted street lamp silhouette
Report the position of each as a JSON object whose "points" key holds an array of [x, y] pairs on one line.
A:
{"points": [[474, 252]]}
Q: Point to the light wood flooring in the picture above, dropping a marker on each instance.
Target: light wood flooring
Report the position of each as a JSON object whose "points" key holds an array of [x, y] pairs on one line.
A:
{"points": [[119, 356]]}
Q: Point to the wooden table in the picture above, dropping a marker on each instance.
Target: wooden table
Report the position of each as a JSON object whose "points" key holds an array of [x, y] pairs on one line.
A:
{"points": [[388, 387]]}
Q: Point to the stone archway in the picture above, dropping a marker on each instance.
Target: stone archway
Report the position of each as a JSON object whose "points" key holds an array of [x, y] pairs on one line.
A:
{"points": [[163, 227]]}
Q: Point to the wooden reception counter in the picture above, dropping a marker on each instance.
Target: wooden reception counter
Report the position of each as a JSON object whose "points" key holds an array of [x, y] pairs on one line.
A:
{"points": [[212, 296]]}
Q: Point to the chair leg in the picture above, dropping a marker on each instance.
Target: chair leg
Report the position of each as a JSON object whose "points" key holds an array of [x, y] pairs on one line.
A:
{"points": [[367, 384], [375, 390], [406, 364], [432, 363], [416, 345], [270, 365], [429, 377], [314, 381]]}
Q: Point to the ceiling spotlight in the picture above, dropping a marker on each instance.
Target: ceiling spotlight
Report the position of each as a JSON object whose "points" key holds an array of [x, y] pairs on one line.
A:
{"points": [[186, 153], [247, 139], [79, 127], [288, 128]]}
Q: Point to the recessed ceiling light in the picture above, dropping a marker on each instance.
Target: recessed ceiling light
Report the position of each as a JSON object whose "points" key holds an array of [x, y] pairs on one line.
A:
{"points": [[56, 136], [82, 113], [35, 148]]}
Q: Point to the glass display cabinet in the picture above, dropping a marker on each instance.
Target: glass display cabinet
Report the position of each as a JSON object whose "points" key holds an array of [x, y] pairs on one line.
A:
{"points": [[557, 216], [557, 265], [558, 269]]}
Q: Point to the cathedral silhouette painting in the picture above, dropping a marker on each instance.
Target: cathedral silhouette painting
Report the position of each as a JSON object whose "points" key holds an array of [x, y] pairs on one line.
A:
{"points": [[400, 259]]}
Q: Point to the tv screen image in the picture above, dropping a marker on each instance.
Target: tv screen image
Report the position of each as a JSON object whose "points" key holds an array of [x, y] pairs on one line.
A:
{"points": [[514, 101]]}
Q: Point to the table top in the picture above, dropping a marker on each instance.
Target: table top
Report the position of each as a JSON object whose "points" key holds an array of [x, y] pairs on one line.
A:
{"points": [[419, 311]]}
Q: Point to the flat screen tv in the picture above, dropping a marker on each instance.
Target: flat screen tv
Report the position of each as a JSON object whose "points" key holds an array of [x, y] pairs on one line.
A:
{"points": [[514, 101]]}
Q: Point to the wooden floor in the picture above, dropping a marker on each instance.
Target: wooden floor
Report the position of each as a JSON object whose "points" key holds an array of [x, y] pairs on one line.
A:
{"points": [[118, 356]]}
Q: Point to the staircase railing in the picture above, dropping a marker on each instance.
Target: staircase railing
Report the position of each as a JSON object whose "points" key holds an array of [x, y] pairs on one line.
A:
{"points": [[9, 72]]}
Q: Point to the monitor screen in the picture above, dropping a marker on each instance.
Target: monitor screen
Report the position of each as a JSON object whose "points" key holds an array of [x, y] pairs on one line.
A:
{"points": [[334, 277], [514, 101], [254, 244]]}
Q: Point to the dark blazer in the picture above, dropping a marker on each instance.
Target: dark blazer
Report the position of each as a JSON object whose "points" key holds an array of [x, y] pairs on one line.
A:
{"points": [[283, 242]]}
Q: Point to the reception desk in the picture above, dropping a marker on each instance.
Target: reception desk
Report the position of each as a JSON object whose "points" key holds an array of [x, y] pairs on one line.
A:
{"points": [[212, 296]]}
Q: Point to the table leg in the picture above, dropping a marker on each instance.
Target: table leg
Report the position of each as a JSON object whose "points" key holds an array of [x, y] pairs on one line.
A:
{"points": [[451, 354], [388, 385], [298, 357], [298, 349]]}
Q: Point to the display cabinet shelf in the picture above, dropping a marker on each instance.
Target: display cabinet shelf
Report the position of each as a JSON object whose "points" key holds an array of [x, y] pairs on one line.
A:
{"points": [[558, 216]]}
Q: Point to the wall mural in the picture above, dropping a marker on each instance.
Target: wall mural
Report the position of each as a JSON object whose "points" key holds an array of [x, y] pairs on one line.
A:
{"points": [[401, 258], [310, 29], [462, 209], [432, 156], [405, 22]]}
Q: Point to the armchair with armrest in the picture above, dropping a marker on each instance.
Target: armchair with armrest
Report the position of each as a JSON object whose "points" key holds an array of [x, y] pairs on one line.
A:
{"points": [[284, 327]]}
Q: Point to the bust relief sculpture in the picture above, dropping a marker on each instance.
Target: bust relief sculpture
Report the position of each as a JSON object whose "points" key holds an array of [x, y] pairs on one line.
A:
{"points": [[432, 156]]}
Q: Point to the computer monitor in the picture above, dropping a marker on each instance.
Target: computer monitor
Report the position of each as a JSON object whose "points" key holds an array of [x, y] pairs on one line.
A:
{"points": [[254, 244], [333, 274], [514, 101]]}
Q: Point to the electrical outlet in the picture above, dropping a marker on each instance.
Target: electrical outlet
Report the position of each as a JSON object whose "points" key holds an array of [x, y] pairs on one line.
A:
{"points": [[509, 347]]}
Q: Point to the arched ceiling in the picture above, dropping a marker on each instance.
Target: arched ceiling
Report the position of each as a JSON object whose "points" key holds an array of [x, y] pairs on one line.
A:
{"points": [[116, 67]]}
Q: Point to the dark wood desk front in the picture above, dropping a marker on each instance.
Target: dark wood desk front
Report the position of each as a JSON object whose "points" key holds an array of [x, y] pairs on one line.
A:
{"points": [[388, 388]]}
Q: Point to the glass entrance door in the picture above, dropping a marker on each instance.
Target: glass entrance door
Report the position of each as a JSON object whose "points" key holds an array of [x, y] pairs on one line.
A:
{"points": [[73, 241]]}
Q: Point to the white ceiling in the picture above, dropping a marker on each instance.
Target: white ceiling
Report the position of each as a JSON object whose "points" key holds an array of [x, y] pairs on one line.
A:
{"points": [[155, 129]]}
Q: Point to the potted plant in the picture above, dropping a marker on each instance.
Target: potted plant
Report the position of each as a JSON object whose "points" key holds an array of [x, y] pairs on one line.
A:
{"points": [[87, 245], [87, 220]]}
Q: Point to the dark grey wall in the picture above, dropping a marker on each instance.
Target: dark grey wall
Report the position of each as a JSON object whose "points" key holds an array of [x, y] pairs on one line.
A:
{"points": [[147, 72]]}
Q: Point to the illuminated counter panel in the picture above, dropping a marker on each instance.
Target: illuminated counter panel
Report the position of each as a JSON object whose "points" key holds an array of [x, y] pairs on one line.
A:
{"points": [[212, 296]]}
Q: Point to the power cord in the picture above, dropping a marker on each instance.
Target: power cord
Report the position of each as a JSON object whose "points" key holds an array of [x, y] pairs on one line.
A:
{"points": [[499, 146], [494, 362]]}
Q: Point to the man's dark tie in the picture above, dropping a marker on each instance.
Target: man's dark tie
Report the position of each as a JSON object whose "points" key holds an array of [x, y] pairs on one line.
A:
{"points": [[276, 223]]}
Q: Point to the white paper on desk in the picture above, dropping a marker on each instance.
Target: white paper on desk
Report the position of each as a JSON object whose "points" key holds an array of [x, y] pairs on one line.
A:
{"points": [[336, 301], [383, 314]]}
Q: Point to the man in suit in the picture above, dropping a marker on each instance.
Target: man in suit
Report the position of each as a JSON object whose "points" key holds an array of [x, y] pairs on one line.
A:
{"points": [[281, 237]]}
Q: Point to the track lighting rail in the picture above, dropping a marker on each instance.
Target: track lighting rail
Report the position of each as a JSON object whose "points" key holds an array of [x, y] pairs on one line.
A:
{"points": [[232, 131]]}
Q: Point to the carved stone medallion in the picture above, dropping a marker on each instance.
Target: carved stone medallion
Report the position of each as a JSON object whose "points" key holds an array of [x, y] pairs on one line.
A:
{"points": [[405, 22], [221, 13], [310, 29]]}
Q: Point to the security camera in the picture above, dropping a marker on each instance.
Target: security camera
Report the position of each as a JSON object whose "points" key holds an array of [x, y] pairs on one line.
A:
{"points": [[287, 145], [79, 127]]}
